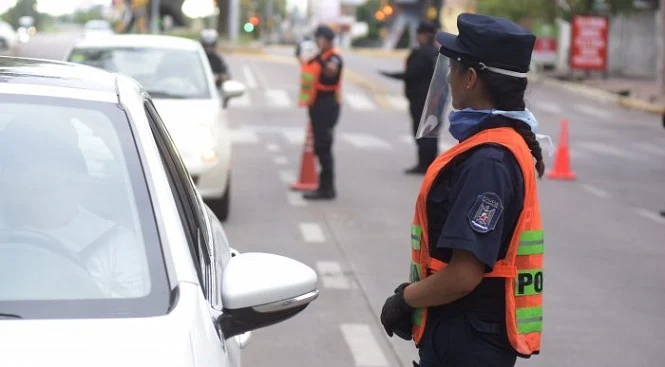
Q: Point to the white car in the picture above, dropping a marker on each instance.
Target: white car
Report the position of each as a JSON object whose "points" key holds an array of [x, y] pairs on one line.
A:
{"points": [[8, 36], [176, 73], [97, 27], [109, 255]]}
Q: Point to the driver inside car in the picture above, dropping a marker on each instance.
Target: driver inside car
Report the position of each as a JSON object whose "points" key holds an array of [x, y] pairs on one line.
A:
{"points": [[43, 176]]}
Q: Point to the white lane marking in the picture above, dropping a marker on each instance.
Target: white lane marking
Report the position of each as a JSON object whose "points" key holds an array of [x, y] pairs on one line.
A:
{"points": [[398, 103], [242, 101], [359, 101], [311, 232], [272, 147], [295, 199], [295, 137], [596, 191], [364, 347], [409, 139], [547, 107], [593, 111], [249, 77], [281, 160], [650, 148], [656, 217], [244, 136], [332, 276], [366, 141], [603, 148], [286, 176], [277, 98]]}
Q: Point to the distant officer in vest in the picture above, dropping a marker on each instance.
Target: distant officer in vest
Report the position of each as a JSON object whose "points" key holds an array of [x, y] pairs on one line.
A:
{"points": [[320, 92], [476, 280], [417, 76]]}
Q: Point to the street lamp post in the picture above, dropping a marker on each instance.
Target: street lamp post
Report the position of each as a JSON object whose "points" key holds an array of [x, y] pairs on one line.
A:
{"points": [[155, 16]]}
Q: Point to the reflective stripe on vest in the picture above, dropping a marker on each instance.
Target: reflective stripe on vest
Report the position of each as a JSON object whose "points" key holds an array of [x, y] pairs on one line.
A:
{"points": [[522, 266], [310, 73]]}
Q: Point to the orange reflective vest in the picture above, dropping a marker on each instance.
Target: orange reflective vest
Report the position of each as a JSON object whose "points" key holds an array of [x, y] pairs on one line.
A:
{"points": [[522, 267], [310, 84]]}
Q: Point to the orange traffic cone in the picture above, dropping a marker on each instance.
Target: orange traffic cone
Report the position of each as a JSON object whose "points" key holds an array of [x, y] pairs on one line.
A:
{"points": [[308, 179], [562, 169]]}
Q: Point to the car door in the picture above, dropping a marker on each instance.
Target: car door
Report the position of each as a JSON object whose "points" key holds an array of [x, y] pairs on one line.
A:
{"points": [[200, 237]]}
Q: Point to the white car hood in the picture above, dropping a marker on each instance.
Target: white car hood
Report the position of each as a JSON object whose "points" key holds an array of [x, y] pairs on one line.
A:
{"points": [[191, 123], [85, 343]]}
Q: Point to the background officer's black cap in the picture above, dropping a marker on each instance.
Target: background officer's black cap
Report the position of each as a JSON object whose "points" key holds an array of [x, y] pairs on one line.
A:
{"points": [[496, 42], [325, 32], [427, 27]]}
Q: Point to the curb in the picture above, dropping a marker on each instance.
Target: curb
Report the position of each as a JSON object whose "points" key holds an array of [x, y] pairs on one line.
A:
{"points": [[398, 54], [601, 95]]}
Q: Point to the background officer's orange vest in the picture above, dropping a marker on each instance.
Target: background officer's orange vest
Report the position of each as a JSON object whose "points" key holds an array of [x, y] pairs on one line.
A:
{"points": [[310, 84], [522, 267]]}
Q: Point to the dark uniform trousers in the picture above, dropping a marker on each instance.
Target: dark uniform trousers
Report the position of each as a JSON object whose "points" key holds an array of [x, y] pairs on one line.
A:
{"points": [[427, 147], [323, 115], [461, 339]]}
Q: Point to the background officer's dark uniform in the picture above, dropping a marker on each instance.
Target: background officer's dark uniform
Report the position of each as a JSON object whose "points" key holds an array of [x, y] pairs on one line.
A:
{"points": [[420, 66], [475, 322], [324, 114], [217, 64]]}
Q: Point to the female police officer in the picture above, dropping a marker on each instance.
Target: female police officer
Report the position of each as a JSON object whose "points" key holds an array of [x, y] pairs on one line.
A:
{"points": [[475, 294]]}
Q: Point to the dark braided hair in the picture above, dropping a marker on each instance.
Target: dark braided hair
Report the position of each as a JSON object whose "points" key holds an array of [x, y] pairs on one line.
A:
{"points": [[507, 94]]}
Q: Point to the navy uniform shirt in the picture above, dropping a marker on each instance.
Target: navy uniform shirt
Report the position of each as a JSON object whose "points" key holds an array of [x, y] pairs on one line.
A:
{"points": [[474, 205], [328, 80]]}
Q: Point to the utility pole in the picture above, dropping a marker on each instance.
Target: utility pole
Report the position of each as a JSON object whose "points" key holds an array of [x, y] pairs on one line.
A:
{"points": [[661, 39], [233, 19], [155, 16]]}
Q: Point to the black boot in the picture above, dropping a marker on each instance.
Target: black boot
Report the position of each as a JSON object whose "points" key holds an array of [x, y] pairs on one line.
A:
{"points": [[320, 194], [416, 170]]}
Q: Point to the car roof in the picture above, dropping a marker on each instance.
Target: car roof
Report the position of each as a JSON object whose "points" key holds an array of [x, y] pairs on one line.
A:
{"points": [[56, 74], [139, 40]]}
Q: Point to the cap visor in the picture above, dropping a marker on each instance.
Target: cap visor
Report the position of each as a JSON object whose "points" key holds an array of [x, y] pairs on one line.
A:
{"points": [[449, 45]]}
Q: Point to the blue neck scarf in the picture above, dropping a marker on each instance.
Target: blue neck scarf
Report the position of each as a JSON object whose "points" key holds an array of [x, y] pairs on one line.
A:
{"points": [[463, 121]]}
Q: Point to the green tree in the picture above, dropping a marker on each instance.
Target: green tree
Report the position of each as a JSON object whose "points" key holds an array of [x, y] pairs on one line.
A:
{"points": [[23, 8], [365, 13], [548, 10]]}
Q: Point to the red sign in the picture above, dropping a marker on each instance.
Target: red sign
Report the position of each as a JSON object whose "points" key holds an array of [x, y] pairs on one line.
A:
{"points": [[588, 48], [544, 51]]}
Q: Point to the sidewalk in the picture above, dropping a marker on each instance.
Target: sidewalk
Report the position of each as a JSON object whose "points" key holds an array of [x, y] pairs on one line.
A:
{"points": [[635, 93]]}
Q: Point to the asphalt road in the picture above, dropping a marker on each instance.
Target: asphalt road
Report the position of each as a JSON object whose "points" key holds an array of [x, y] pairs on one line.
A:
{"points": [[605, 241]]}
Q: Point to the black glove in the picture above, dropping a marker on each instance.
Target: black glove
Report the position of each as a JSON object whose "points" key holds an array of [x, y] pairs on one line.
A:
{"points": [[396, 314]]}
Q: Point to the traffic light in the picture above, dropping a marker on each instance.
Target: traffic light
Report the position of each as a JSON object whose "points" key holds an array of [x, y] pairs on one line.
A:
{"points": [[249, 27], [254, 21]]}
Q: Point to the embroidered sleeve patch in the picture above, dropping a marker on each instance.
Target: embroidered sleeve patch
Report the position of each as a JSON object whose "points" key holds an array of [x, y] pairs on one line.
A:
{"points": [[485, 212]]}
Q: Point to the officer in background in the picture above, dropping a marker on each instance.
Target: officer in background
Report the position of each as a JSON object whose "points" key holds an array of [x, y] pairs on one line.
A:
{"points": [[476, 280], [209, 39], [417, 76], [324, 106]]}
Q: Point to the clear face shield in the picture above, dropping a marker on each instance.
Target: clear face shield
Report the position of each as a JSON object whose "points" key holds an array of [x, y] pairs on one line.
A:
{"points": [[434, 118]]}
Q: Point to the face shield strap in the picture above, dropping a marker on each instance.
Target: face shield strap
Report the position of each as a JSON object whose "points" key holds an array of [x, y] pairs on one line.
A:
{"points": [[514, 74]]}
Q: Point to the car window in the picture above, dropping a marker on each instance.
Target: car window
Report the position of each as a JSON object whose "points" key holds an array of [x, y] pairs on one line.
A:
{"points": [[164, 73], [188, 202], [76, 222]]}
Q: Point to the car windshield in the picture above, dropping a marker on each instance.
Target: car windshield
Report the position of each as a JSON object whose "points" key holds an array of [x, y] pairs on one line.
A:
{"points": [[78, 236], [164, 73], [97, 25]]}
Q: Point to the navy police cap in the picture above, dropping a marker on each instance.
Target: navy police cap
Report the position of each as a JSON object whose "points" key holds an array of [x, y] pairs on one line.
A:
{"points": [[496, 43], [325, 32]]}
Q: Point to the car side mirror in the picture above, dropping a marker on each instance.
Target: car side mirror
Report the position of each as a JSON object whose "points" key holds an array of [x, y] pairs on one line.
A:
{"points": [[260, 290], [233, 89]]}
